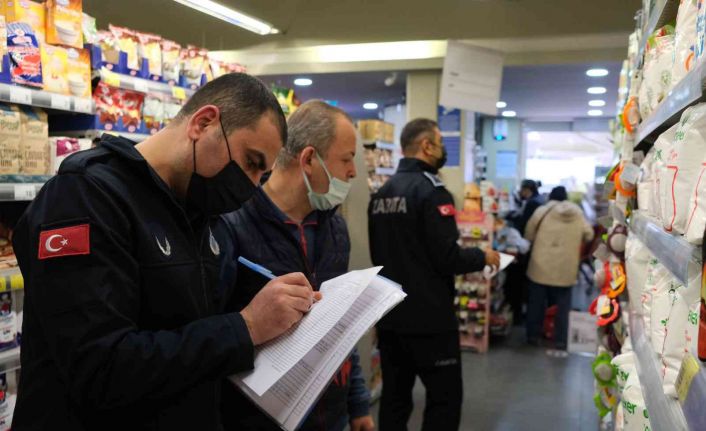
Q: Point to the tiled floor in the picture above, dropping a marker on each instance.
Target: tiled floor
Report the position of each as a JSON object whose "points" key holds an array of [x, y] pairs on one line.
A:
{"points": [[515, 387]]}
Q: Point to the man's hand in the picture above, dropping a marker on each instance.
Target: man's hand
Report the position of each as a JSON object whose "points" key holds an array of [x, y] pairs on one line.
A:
{"points": [[492, 258], [279, 305], [363, 423]]}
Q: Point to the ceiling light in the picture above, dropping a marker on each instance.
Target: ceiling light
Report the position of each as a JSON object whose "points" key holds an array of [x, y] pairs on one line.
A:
{"points": [[595, 113], [597, 90], [371, 106], [230, 16], [509, 114], [597, 73], [596, 103], [303, 82], [501, 105], [534, 136]]}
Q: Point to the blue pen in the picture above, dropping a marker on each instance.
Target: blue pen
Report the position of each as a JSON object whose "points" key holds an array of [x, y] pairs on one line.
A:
{"points": [[257, 268]]}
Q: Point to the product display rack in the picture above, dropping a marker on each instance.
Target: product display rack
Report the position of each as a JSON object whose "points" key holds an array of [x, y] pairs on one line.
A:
{"points": [[141, 85], [43, 99]]}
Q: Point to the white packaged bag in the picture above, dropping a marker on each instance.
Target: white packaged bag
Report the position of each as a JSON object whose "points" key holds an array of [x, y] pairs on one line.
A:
{"points": [[637, 255], [675, 339], [664, 295], [662, 147], [700, 29], [635, 415], [657, 75], [683, 166], [656, 273], [684, 40]]}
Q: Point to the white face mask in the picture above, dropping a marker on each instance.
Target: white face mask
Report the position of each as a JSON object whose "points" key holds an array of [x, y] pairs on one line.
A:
{"points": [[336, 194]]}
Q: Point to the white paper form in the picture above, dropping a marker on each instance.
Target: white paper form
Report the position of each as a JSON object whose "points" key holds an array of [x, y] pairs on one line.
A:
{"points": [[288, 401], [275, 358]]}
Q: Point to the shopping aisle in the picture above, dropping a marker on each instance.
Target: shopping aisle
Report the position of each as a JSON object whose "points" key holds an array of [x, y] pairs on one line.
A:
{"points": [[516, 387]]}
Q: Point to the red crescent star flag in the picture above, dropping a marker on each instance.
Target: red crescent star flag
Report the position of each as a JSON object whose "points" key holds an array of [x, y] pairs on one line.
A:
{"points": [[67, 241], [447, 210]]}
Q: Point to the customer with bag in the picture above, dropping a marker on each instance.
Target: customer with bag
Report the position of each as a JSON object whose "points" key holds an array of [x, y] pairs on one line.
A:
{"points": [[557, 231]]}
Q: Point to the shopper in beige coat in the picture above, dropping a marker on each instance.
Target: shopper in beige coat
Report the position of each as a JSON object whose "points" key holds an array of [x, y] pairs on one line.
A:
{"points": [[557, 231]]}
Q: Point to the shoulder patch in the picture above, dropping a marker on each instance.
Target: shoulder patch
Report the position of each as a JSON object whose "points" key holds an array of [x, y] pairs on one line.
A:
{"points": [[67, 241], [447, 210], [435, 180]]}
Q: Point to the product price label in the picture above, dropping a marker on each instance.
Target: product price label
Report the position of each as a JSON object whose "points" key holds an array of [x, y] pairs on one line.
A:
{"points": [[59, 101], [83, 105], [20, 95], [25, 192], [179, 93], [141, 86], [689, 370]]}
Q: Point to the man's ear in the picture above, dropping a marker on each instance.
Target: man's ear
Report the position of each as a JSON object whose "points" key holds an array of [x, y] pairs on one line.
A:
{"points": [[306, 158], [200, 121]]}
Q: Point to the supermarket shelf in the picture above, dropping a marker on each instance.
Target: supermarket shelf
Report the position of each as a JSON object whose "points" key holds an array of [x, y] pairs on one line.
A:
{"points": [[97, 133], [380, 144], [21, 187], [663, 13], [10, 360], [675, 253], [665, 412], [685, 94], [385, 171], [127, 82], [44, 99]]}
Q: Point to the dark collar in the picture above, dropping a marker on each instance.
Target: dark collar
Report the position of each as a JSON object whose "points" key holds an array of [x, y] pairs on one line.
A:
{"points": [[264, 207], [411, 164]]}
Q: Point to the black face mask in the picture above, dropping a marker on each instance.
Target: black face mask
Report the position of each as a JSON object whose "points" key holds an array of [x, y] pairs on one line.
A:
{"points": [[444, 156], [225, 192]]}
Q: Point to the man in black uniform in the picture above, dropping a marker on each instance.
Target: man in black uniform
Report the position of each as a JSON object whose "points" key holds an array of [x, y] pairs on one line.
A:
{"points": [[413, 235], [121, 329]]}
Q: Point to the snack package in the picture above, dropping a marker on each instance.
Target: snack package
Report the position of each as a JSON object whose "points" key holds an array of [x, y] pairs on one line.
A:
{"points": [[9, 140], [683, 167], [684, 40], [110, 50], [61, 147], [193, 65], [153, 113], [25, 57], [107, 105], [127, 41], [150, 48], [55, 71], [657, 74], [171, 109], [131, 109], [220, 68], [171, 61], [89, 29], [30, 13], [79, 72], [65, 22], [34, 141]]}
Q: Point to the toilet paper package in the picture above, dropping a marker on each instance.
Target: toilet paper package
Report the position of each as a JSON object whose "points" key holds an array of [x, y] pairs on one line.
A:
{"points": [[684, 40]]}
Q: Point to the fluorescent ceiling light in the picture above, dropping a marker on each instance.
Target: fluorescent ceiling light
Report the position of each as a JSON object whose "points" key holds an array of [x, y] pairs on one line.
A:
{"points": [[595, 113], [303, 82], [597, 90], [230, 16], [370, 106], [597, 73], [596, 103], [501, 105], [509, 114]]}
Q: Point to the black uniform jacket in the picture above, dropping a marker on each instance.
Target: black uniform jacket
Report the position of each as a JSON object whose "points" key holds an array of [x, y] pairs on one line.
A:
{"points": [[120, 327], [413, 235]]}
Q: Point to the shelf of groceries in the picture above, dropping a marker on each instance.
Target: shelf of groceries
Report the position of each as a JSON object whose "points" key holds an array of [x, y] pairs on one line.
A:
{"points": [[663, 12]]}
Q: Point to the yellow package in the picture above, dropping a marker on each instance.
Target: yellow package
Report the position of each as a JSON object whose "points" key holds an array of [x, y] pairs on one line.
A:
{"points": [[29, 12], [3, 38], [128, 43], [65, 22], [55, 73], [151, 48], [79, 68]]}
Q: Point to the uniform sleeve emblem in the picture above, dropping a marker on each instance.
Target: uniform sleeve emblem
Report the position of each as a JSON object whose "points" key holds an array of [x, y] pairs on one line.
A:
{"points": [[447, 210], [67, 241]]}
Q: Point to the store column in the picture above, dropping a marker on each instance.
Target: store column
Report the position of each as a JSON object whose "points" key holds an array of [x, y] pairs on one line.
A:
{"points": [[423, 101]]}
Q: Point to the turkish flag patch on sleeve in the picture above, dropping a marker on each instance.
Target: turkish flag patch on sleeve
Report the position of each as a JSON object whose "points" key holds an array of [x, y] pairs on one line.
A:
{"points": [[67, 241], [447, 210]]}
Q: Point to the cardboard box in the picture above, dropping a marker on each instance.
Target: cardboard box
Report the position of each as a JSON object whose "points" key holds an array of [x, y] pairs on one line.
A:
{"points": [[79, 72], [371, 130], [34, 141], [55, 68], [29, 12], [64, 23], [9, 140], [388, 132]]}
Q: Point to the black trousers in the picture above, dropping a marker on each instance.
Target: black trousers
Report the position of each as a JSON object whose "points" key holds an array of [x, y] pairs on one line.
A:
{"points": [[436, 359]]}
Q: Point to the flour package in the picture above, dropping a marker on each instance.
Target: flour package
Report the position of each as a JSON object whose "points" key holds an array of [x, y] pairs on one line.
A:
{"points": [[624, 365], [684, 40], [662, 147], [644, 187], [635, 415], [664, 294], [637, 256], [656, 273], [684, 162], [657, 75], [674, 345]]}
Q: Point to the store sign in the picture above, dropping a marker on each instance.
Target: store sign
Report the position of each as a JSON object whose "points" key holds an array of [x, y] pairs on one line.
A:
{"points": [[471, 78]]}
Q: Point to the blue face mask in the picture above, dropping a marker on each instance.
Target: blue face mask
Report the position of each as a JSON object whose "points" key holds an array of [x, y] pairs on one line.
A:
{"points": [[336, 194]]}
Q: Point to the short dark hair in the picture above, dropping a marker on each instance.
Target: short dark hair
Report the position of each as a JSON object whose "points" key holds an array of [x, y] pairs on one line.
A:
{"points": [[531, 185], [409, 139], [242, 100], [558, 194], [312, 124]]}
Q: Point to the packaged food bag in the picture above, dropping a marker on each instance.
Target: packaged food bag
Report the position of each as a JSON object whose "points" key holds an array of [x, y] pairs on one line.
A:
{"points": [[661, 149], [664, 294], [65, 22], [55, 71], [193, 65], [29, 12], [624, 366], [171, 61], [89, 29], [684, 40], [25, 57], [9, 140], [657, 75], [126, 39], [61, 147], [153, 113], [637, 256], [656, 273], [700, 29], [79, 68], [3, 38], [683, 166], [34, 141], [635, 414], [150, 48]]}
